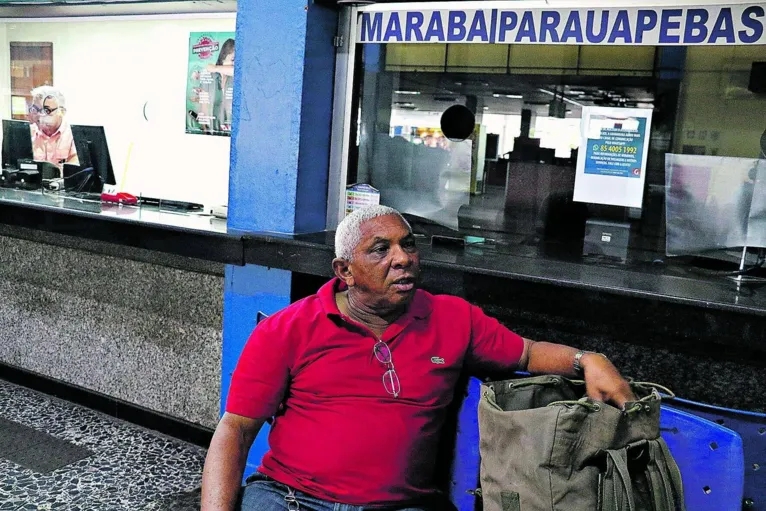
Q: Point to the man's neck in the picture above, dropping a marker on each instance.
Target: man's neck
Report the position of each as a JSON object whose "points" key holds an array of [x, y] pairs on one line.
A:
{"points": [[377, 321]]}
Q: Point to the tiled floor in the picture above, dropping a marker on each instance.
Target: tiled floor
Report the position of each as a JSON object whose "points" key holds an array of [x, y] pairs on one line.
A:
{"points": [[131, 468]]}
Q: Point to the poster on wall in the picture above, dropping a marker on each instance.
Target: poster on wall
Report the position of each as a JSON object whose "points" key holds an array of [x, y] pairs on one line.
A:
{"points": [[210, 83], [611, 161]]}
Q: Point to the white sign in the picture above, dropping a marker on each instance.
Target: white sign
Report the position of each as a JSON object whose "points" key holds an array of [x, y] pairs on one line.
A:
{"points": [[508, 23], [611, 160]]}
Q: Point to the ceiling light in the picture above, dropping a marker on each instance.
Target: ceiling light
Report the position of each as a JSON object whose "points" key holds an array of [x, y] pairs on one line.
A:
{"points": [[570, 101], [486, 108], [576, 92], [507, 95], [405, 105], [408, 92]]}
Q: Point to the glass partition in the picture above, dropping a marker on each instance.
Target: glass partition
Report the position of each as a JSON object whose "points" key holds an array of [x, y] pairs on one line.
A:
{"points": [[513, 181]]}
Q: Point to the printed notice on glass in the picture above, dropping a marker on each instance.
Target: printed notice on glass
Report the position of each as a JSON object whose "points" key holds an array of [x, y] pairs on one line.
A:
{"points": [[611, 161], [360, 196]]}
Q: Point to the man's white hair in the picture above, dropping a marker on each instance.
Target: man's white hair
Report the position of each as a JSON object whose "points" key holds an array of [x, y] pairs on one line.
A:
{"points": [[46, 91], [349, 232]]}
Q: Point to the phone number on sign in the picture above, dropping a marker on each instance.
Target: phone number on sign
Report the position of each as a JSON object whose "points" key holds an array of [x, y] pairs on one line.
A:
{"points": [[616, 149]]}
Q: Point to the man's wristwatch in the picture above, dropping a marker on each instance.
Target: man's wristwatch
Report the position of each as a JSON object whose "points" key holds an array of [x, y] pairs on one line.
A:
{"points": [[577, 365]]}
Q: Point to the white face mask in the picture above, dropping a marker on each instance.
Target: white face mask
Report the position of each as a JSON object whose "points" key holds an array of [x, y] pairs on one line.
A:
{"points": [[47, 120], [49, 123]]}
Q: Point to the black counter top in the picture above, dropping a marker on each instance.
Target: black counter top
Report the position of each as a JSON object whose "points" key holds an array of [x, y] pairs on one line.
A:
{"points": [[146, 227]]}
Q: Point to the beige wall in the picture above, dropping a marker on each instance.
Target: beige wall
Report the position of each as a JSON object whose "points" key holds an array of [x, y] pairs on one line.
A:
{"points": [[715, 108], [520, 58]]}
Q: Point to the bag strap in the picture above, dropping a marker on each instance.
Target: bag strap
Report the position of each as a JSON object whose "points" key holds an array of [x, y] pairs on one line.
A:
{"points": [[608, 498], [658, 460], [659, 483], [669, 470], [617, 490]]}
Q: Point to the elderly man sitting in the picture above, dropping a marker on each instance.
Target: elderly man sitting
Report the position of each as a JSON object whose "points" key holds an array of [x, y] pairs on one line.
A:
{"points": [[52, 139], [359, 376]]}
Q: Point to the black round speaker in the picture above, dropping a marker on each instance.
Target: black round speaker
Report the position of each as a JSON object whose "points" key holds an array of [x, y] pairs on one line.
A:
{"points": [[457, 122]]}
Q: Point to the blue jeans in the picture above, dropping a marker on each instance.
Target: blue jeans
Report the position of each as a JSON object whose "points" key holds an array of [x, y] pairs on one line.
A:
{"points": [[262, 493]]}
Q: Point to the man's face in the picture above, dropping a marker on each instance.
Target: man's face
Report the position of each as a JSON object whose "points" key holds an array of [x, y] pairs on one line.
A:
{"points": [[47, 114], [386, 263]]}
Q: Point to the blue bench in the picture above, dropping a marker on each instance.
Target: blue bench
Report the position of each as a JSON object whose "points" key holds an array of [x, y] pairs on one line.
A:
{"points": [[752, 428], [710, 457]]}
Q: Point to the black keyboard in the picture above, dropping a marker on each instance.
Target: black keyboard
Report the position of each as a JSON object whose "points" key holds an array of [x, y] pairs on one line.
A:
{"points": [[84, 195], [170, 204]]}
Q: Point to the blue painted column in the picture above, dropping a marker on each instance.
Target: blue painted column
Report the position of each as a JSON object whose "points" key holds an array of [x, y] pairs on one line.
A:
{"points": [[281, 132], [283, 82]]}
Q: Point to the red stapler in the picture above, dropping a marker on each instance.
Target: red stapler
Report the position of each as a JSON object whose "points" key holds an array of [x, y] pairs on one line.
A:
{"points": [[118, 197]]}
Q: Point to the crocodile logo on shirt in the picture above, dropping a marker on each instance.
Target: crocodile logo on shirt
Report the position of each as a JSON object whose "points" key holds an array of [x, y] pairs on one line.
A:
{"points": [[437, 360]]}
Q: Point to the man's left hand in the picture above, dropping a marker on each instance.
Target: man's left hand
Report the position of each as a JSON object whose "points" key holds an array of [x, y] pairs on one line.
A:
{"points": [[603, 381]]}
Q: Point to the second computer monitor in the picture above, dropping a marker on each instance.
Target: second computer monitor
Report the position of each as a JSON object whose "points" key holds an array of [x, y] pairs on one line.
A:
{"points": [[92, 151], [17, 143]]}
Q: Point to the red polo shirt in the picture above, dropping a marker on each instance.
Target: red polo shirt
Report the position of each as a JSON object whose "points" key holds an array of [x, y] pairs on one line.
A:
{"points": [[340, 436]]}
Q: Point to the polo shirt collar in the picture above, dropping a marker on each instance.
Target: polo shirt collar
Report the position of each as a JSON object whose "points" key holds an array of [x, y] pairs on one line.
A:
{"points": [[419, 308]]}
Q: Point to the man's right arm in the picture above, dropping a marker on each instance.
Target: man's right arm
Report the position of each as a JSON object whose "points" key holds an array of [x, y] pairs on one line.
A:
{"points": [[225, 462]]}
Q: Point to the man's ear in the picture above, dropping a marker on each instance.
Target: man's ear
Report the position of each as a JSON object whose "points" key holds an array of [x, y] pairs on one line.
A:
{"points": [[342, 270]]}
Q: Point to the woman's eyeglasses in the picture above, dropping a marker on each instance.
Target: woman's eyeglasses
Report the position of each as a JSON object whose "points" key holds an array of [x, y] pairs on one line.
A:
{"points": [[44, 110], [390, 378]]}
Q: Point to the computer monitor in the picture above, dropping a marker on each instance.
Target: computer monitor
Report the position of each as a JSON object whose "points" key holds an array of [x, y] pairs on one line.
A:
{"points": [[93, 152], [17, 143]]}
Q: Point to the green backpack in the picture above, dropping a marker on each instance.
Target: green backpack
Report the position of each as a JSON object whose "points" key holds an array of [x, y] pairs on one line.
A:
{"points": [[546, 446]]}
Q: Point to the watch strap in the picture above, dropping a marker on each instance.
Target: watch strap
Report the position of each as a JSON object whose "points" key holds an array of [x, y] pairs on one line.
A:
{"points": [[577, 363]]}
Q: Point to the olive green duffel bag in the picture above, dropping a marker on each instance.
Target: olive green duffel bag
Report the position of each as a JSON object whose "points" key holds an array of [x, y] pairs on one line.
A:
{"points": [[545, 446]]}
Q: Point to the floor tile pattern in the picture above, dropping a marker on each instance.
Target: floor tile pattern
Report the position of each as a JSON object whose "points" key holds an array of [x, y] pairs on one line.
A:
{"points": [[130, 468]]}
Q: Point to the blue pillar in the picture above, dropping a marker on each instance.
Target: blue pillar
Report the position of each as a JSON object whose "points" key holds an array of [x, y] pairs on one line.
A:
{"points": [[280, 151], [281, 132]]}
